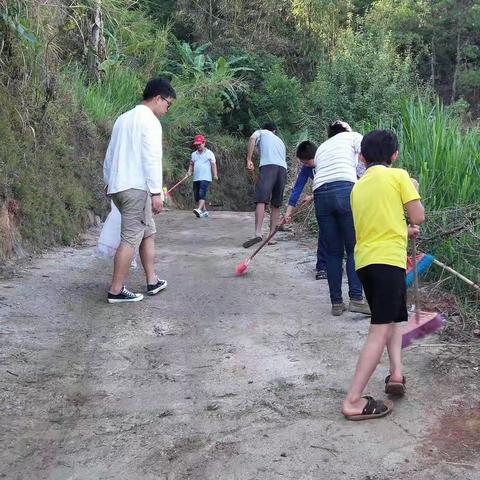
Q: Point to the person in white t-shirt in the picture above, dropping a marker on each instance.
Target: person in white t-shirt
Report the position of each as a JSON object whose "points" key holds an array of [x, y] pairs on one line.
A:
{"points": [[271, 181], [336, 162], [203, 166], [132, 173]]}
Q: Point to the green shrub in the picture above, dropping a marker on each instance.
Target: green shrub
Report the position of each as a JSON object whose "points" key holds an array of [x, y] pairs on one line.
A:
{"points": [[279, 100], [364, 82]]}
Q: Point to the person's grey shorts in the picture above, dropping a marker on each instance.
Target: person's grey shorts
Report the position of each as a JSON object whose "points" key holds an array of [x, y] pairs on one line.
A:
{"points": [[135, 207], [270, 185]]}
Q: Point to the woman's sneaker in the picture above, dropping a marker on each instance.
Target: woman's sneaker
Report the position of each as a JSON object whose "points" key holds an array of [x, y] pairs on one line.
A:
{"points": [[124, 296], [197, 212], [153, 289], [338, 309], [204, 214], [359, 306]]}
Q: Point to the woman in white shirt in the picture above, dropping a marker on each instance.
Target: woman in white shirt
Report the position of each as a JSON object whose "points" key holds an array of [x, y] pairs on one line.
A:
{"points": [[335, 174]]}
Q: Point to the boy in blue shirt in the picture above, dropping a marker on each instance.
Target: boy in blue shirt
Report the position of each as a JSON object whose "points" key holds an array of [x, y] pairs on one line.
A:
{"points": [[306, 154]]}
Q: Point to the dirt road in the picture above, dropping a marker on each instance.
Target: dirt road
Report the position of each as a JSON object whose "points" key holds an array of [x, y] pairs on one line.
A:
{"points": [[216, 378]]}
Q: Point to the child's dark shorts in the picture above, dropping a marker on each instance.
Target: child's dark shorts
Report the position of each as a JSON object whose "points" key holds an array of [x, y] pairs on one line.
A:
{"points": [[200, 188], [386, 292]]}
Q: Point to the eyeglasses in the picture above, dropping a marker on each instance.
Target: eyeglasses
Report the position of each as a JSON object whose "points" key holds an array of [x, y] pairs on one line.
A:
{"points": [[169, 102]]}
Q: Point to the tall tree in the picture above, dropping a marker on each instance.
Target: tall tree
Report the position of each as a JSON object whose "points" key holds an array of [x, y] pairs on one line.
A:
{"points": [[96, 41]]}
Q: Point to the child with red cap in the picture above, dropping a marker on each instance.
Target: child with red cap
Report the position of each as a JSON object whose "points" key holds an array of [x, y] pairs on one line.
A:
{"points": [[203, 166]]}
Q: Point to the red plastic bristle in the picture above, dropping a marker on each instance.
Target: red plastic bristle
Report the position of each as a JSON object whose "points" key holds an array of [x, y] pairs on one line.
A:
{"points": [[241, 267]]}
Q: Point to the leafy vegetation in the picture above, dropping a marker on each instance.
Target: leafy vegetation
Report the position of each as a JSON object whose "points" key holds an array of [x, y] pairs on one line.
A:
{"points": [[444, 157], [49, 162]]}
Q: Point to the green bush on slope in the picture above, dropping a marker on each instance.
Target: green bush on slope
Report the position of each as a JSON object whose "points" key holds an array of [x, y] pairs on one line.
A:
{"points": [[49, 149]]}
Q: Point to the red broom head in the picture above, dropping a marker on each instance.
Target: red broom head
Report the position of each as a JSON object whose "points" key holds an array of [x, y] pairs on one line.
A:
{"points": [[241, 267], [429, 322]]}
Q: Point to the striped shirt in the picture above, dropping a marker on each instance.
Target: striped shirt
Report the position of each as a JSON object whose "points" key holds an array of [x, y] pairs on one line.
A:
{"points": [[336, 159]]}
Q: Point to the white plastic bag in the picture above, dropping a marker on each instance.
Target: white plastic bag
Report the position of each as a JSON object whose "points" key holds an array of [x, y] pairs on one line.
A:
{"points": [[109, 238]]}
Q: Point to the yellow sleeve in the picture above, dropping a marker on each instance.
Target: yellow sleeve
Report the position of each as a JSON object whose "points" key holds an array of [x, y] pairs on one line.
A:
{"points": [[407, 191]]}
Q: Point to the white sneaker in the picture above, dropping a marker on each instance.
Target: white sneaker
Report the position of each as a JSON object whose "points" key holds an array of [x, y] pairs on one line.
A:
{"points": [[204, 214], [197, 212]]}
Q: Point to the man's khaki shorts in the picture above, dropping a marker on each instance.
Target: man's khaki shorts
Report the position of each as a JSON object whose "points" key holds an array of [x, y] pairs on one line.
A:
{"points": [[135, 207]]}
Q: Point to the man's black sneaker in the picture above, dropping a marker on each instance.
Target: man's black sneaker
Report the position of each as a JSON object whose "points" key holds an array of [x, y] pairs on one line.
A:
{"points": [[124, 296], [153, 289]]}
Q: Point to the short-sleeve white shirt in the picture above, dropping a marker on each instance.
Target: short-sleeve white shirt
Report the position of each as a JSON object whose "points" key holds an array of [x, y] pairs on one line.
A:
{"points": [[336, 159], [202, 165]]}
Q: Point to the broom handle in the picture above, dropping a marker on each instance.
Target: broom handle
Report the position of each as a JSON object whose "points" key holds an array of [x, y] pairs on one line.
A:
{"points": [[177, 184], [415, 279], [282, 222], [459, 275], [267, 240]]}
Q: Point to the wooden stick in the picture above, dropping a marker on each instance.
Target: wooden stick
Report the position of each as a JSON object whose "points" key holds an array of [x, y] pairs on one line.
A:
{"points": [[277, 228], [268, 239], [177, 184], [459, 275], [415, 280]]}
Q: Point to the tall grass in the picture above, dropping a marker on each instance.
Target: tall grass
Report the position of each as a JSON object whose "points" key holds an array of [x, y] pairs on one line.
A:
{"points": [[444, 157], [119, 92]]}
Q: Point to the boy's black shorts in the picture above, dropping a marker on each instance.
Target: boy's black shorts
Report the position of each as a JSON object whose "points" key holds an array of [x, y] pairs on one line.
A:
{"points": [[270, 185], [386, 293]]}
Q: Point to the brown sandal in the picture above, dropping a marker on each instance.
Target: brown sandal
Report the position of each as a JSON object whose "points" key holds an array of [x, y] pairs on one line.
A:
{"points": [[395, 388], [373, 409]]}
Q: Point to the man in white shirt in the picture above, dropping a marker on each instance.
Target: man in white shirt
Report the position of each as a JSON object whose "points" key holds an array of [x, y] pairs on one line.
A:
{"points": [[203, 166], [271, 181], [132, 173]]}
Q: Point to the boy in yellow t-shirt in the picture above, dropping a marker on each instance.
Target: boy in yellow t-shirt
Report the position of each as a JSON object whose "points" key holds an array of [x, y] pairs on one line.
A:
{"points": [[378, 201]]}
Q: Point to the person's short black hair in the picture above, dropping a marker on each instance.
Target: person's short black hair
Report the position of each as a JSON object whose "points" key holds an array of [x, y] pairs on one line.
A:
{"points": [[336, 127], [306, 151], [270, 126], [379, 146], [159, 86]]}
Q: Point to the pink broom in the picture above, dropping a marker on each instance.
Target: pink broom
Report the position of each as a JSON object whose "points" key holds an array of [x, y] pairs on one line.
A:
{"points": [[242, 266], [420, 324]]}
